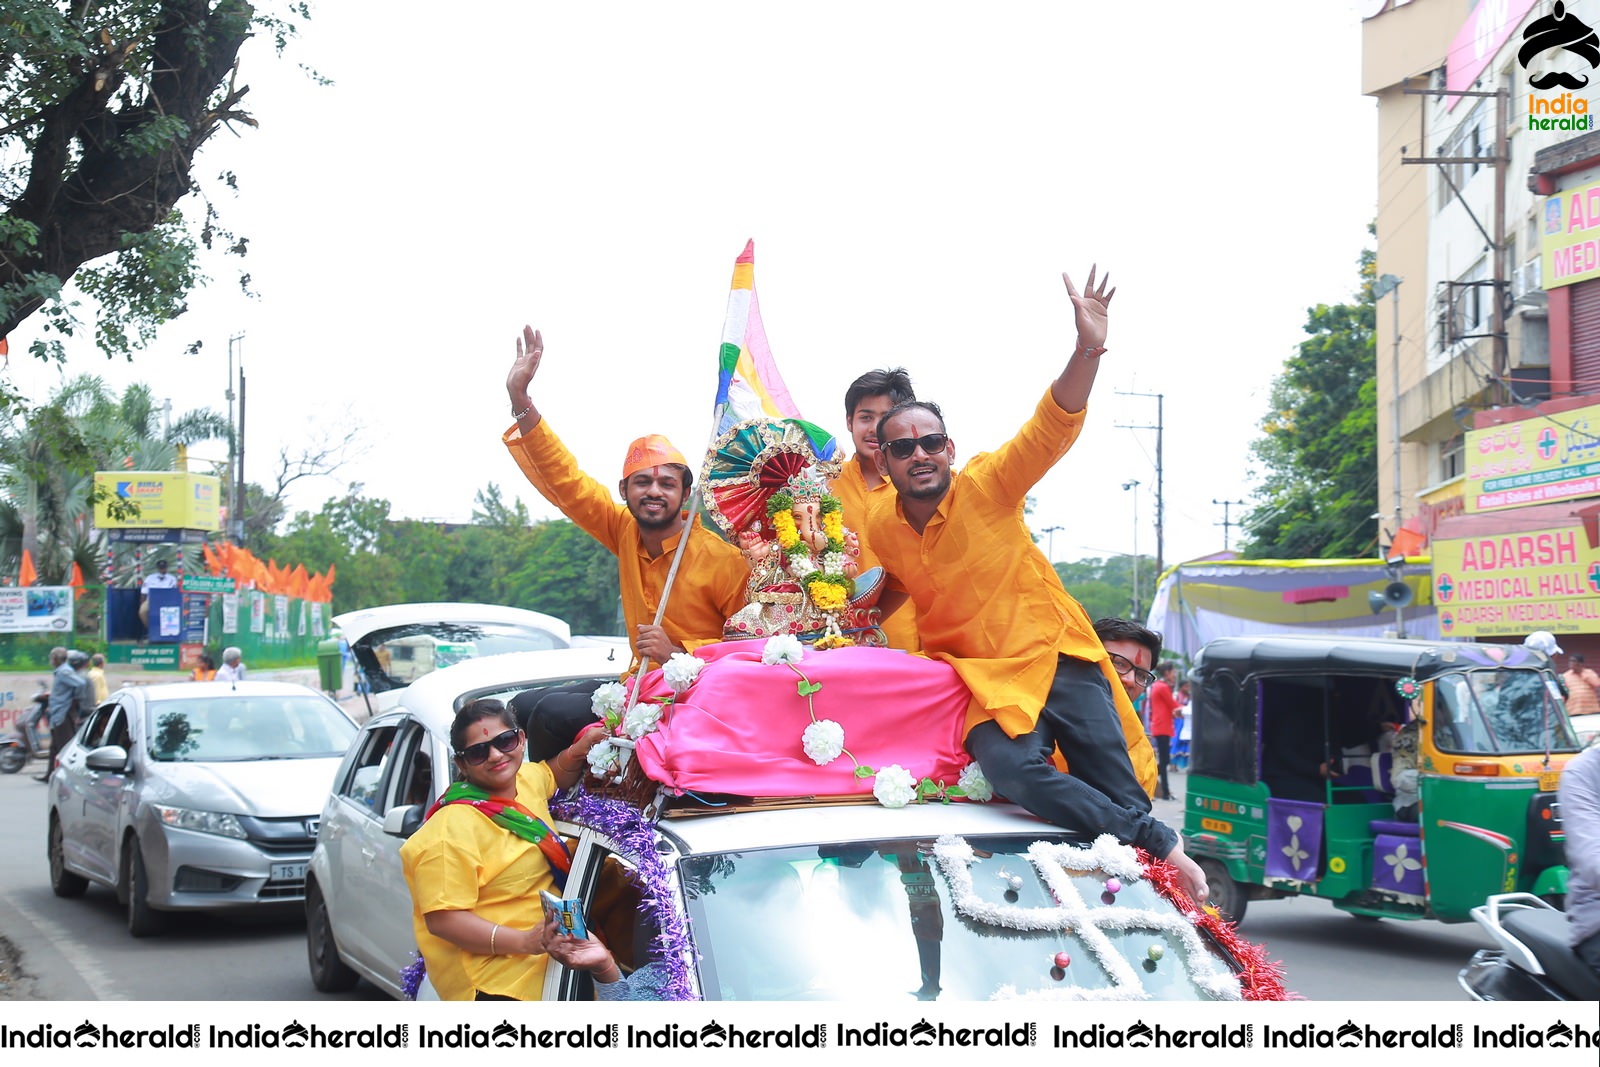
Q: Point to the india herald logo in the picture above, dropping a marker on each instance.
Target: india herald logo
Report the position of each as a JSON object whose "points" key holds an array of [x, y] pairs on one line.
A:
{"points": [[1559, 31]]}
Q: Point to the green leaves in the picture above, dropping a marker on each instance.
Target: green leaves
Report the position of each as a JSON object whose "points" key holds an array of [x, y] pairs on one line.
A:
{"points": [[806, 688]]}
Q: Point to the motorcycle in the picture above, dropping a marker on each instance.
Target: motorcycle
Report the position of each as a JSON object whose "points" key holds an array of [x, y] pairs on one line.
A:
{"points": [[1535, 960], [18, 748]]}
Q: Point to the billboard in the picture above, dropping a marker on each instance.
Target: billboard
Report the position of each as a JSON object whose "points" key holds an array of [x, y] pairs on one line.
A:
{"points": [[1539, 460], [1569, 236], [1511, 584], [36, 609], [167, 500]]}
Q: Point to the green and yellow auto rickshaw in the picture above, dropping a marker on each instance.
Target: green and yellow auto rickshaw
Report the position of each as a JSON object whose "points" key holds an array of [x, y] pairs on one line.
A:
{"points": [[1395, 778]]}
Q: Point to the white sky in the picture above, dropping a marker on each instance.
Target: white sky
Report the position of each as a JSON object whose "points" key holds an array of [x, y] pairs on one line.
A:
{"points": [[916, 177]]}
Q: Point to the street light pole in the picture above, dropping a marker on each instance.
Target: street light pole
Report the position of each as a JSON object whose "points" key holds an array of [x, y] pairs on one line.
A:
{"points": [[1134, 485], [1385, 285], [1050, 533]]}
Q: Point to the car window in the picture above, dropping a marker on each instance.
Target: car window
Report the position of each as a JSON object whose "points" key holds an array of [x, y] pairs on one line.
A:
{"points": [[395, 657], [94, 730], [413, 774], [248, 727], [366, 775], [768, 924], [613, 908]]}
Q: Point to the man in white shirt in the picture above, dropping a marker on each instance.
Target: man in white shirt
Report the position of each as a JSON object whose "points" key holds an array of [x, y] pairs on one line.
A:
{"points": [[232, 669], [160, 579]]}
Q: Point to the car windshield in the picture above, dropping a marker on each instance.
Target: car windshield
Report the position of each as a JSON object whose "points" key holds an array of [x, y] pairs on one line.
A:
{"points": [[251, 727], [393, 658], [1499, 712], [898, 919]]}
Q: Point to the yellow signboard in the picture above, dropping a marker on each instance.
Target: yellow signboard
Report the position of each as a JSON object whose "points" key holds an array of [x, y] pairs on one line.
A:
{"points": [[1569, 241], [1502, 584], [168, 500], [1538, 460]]}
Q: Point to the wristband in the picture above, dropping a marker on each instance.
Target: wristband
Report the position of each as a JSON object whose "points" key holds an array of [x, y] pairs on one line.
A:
{"points": [[1091, 353], [518, 414]]}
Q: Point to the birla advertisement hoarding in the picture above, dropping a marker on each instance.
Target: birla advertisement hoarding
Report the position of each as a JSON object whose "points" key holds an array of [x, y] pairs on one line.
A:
{"points": [[167, 500], [1543, 459], [1509, 584]]}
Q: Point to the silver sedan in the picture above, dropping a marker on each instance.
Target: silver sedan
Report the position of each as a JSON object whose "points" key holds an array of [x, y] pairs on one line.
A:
{"points": [[194, 795]]}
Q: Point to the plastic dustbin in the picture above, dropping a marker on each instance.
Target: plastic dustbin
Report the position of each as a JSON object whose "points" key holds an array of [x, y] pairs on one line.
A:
{"points": [[330, 664]]}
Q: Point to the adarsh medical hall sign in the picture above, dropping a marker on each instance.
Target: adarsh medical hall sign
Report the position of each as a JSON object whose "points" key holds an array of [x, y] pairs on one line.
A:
{"points": [[1513, 583], [1569, 240]]}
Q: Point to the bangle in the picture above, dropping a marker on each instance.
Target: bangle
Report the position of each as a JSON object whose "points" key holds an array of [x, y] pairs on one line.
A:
{"points": [[1090, 353], [518, 414], [496, 930]]}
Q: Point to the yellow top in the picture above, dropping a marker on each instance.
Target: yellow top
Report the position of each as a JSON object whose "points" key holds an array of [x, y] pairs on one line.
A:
{"points": [[857, 498], [710, 585], [987, 600], [461, 860]]}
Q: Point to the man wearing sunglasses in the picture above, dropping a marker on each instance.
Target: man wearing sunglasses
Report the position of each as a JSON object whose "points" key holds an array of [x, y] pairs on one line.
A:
{"points": [[990, 604], [642, 532], [859, 483]]}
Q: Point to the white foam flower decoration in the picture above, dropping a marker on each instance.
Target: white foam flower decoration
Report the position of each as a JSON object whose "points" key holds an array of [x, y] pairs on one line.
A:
{"points": [[607, 699], [784, 648], [833, 562], [823, 741], [974, 784], [894, 787], [641, 719], [800, 566], [604, 759], [681, 670]]}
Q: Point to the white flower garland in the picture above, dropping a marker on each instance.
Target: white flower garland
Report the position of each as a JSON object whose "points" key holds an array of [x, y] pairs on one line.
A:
{"points": [[1053, 860]]}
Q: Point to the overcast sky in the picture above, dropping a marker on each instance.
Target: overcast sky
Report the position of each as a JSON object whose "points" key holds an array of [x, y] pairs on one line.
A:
{"points": [[915, 176]]}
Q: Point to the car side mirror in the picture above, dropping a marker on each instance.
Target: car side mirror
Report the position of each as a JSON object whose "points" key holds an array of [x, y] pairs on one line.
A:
{"points": [[403, 821], [112, 758]]}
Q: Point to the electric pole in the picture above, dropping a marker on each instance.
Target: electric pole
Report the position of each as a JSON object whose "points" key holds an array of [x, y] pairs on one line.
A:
{"points": [[1225, 523], [1161, 509]]}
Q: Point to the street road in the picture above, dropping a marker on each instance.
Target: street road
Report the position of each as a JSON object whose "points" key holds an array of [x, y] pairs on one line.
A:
{"points": [[80, 949]]}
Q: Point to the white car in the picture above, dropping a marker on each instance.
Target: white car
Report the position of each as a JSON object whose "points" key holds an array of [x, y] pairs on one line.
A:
{"points": [[194, 795], [737, 899]]}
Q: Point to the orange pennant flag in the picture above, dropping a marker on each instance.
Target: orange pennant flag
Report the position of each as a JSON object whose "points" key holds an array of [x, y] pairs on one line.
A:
{"points": [[77, 575], [27, 576]]}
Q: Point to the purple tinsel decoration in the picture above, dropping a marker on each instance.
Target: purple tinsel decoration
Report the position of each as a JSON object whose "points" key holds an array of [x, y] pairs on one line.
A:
{"points": [[635, 838], [411, 976]]}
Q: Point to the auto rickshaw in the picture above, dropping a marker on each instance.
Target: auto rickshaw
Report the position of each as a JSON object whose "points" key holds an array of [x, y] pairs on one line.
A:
{"points": [[1300, 745]]}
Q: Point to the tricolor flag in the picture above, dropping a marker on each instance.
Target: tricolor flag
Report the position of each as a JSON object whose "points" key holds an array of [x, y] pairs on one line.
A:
{"points": [[748, 383]]}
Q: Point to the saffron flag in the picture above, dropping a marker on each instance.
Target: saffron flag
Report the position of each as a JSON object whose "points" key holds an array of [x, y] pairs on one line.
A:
{"points": [[748, 383], [26, 575]]}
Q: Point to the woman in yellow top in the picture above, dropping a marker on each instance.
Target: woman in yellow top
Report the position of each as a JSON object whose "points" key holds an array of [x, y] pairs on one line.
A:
{"points": [[476, 866]]}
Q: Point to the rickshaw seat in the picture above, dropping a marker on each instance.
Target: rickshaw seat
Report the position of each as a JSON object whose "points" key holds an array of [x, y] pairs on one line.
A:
{"points": [[1383, 772], [1395, 827]]}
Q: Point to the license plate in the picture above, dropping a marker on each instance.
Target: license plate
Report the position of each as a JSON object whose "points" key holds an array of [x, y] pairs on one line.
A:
{"points": [[288, 872], [1548, 781]]}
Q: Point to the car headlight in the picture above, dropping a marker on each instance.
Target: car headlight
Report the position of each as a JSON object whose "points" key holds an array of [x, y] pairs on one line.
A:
{"points": [[205, 822]]}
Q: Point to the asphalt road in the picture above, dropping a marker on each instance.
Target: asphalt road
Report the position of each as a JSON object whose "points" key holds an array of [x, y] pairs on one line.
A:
{"points": [[80, 949]]}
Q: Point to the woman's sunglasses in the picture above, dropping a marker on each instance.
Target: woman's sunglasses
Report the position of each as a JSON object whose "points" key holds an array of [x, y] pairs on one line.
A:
{"points": [[1141, 677], [473, 755], [903, 447]]}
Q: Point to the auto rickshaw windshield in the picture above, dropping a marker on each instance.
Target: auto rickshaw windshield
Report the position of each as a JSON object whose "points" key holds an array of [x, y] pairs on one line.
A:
{"points": [[1499, 712]]}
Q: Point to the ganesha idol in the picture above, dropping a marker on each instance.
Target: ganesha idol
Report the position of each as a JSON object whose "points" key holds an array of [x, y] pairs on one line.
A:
{"points": [[766, 484]]}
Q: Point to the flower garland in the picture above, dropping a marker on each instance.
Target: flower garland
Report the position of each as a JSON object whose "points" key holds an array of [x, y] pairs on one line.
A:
{"points": [[1123, 865], [635, 839]]}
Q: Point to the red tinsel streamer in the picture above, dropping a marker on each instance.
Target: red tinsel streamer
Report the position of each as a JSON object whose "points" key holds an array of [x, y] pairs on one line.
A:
{"points": [[1261, 978]]}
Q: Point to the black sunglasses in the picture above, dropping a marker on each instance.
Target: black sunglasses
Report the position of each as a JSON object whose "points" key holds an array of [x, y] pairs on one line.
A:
{"points": [[473, 755], [903, 447], [1141, 677]]}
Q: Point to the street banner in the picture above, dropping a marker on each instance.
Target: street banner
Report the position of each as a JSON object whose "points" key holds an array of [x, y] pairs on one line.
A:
{"points": [[1510, 584], [36, 609]]}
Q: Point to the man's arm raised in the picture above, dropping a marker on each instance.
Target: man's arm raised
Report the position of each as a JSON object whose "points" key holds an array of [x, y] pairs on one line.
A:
{"points": [[530, 351], [1071, 390]]}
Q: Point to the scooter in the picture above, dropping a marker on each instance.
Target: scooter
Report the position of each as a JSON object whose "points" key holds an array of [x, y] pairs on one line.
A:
{"points": [[1535, 960], [18, 748]]}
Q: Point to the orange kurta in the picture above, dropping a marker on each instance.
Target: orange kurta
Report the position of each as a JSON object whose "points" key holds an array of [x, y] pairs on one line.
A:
{"points": [[988, 601], [857, 497], [710, 585]]}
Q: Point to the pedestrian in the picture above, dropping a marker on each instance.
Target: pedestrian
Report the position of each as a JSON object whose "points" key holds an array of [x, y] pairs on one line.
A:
{"points": [[97, 679], [232, 669], [1579, 796], [1583, 687], [1163, 719], [69, 687], [206, 669]]}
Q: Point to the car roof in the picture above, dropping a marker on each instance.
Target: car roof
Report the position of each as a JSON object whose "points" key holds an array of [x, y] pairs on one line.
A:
{"points": [[792, 823], [364, 621], [432, 698]]}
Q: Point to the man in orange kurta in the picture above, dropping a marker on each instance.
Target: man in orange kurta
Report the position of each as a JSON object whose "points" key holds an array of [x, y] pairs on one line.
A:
{"points": [[990, 604], [860, 485], [642, 532]]}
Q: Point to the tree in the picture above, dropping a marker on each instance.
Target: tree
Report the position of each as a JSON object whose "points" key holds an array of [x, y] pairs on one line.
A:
{"points": [[103, 108], [1105, 586], [1319, 449]]}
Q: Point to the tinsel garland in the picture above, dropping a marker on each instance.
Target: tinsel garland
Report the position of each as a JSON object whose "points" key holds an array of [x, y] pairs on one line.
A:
{"points": [[635, 839]]}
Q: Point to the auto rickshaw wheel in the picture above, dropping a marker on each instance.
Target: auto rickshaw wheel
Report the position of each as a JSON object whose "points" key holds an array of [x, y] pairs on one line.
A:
{"points": [[1227, 895]]}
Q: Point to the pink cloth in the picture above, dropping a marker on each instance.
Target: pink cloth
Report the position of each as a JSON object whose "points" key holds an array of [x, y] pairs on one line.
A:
{"points": [[737, 729]]}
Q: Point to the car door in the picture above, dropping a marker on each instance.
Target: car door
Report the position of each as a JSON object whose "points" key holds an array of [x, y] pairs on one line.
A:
{"points": [[408, 782], [84, 836], [103, 792], [351, 837]]}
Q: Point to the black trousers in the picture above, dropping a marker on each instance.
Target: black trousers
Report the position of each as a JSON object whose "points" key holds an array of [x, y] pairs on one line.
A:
{"points": [[1163, 761], [59, 736], [1102, 795]]}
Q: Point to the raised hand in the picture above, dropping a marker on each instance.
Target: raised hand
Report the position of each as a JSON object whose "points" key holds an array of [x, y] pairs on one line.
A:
{"points": [[1089, 310], [530, 351]]}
